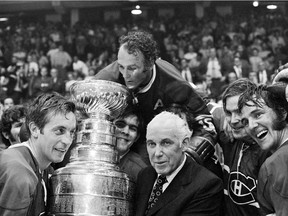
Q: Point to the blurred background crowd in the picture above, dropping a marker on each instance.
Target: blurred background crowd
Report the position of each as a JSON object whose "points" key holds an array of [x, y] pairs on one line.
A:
{"points": [[209, 52]]}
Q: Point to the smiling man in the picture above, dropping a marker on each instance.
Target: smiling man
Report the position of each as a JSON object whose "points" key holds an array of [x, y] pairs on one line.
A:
{"points": [[175, 184], [51, 124], [128, 128], [264, 111], [242, 156]]}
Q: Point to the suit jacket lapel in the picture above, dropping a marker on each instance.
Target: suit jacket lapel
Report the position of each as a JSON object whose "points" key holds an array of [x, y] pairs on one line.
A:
{"points": [[146, 190], [175, 187]]}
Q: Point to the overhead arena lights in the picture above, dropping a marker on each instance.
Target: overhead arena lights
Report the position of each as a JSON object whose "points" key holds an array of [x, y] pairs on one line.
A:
{"points": [[271, 7], [255, 3], [136, 11], [3, 19]]}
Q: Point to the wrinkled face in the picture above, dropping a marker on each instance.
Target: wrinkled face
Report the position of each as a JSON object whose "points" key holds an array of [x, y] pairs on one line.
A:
{"points": [[15, 131], [56, 137], [261, 124], [234, 117], [164, 149], [126, 132], [133, 69], [8, 102]]}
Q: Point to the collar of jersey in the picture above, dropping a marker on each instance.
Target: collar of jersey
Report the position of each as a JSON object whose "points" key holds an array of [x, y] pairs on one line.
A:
{"points": [[148, 86]]}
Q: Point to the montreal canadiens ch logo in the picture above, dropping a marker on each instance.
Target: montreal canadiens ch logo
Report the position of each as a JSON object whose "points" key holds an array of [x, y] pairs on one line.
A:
{"points": [[240, 188]]}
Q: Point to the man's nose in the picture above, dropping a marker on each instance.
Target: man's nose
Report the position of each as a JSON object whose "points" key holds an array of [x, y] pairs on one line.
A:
{"points": [[251, 124], [158, 150], [67, 138], [125, 129], [235, 118], [125, 73]]}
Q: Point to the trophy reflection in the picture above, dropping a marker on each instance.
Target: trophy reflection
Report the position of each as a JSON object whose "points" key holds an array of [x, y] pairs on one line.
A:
{"points": [[91, 183]]}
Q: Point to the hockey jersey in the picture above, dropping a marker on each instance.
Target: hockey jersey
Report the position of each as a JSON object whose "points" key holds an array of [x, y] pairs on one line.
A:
{"points": [[167, 87], [242, 162]]}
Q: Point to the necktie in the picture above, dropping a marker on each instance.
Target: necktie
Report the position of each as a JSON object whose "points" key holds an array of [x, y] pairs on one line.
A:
{"points": [[156, 192]]}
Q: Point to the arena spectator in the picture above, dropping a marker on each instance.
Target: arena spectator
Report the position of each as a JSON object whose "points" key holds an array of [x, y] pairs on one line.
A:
{"points": [[241, 67], [42, 83], [185, 71], [8, 102], [61, 60], [11, 122], [213, 65], [255, 59], [79, 66], [58, 84]]}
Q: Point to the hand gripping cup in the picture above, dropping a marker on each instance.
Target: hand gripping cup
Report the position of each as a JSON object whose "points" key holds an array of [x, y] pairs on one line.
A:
{"points": [[91, 183]]}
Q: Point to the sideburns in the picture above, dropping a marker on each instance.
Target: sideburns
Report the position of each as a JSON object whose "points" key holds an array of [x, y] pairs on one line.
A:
{"points": [[279, 123]]}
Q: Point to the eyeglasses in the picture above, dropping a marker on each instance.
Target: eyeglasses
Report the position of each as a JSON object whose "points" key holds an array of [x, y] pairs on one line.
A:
{"points": [[122, 124]]}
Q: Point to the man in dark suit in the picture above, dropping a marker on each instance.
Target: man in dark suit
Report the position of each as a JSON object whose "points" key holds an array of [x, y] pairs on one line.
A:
{"points": [[187, 188], [241, 67]]}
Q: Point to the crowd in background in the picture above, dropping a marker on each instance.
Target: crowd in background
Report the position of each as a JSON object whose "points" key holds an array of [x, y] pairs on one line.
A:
{"points": [[210, 52]]}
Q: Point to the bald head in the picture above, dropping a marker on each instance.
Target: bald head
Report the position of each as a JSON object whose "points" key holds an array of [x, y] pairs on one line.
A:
{"points": [[167, 138], [170, 123]]}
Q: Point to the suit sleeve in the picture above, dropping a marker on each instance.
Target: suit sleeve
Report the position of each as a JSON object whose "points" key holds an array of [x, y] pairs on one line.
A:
{"points": [[206, 202]]}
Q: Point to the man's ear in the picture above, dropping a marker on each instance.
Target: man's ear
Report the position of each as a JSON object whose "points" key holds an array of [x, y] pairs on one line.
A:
{"points": [[6, 135], [34, 130], [285, 114], [185, 143]]}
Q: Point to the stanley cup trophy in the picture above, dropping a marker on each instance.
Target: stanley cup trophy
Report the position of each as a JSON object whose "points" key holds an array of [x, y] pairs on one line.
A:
{"points": [[91, 183]]}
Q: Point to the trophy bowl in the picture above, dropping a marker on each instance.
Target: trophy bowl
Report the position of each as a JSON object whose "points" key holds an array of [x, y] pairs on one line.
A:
{"points": [[92, 183], [100, 97]]}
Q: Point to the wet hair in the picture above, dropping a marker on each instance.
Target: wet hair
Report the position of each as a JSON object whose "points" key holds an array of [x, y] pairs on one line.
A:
{"points": [[141, 41], [45, 106], [10, 116], [238, 87], [261, 96]]}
